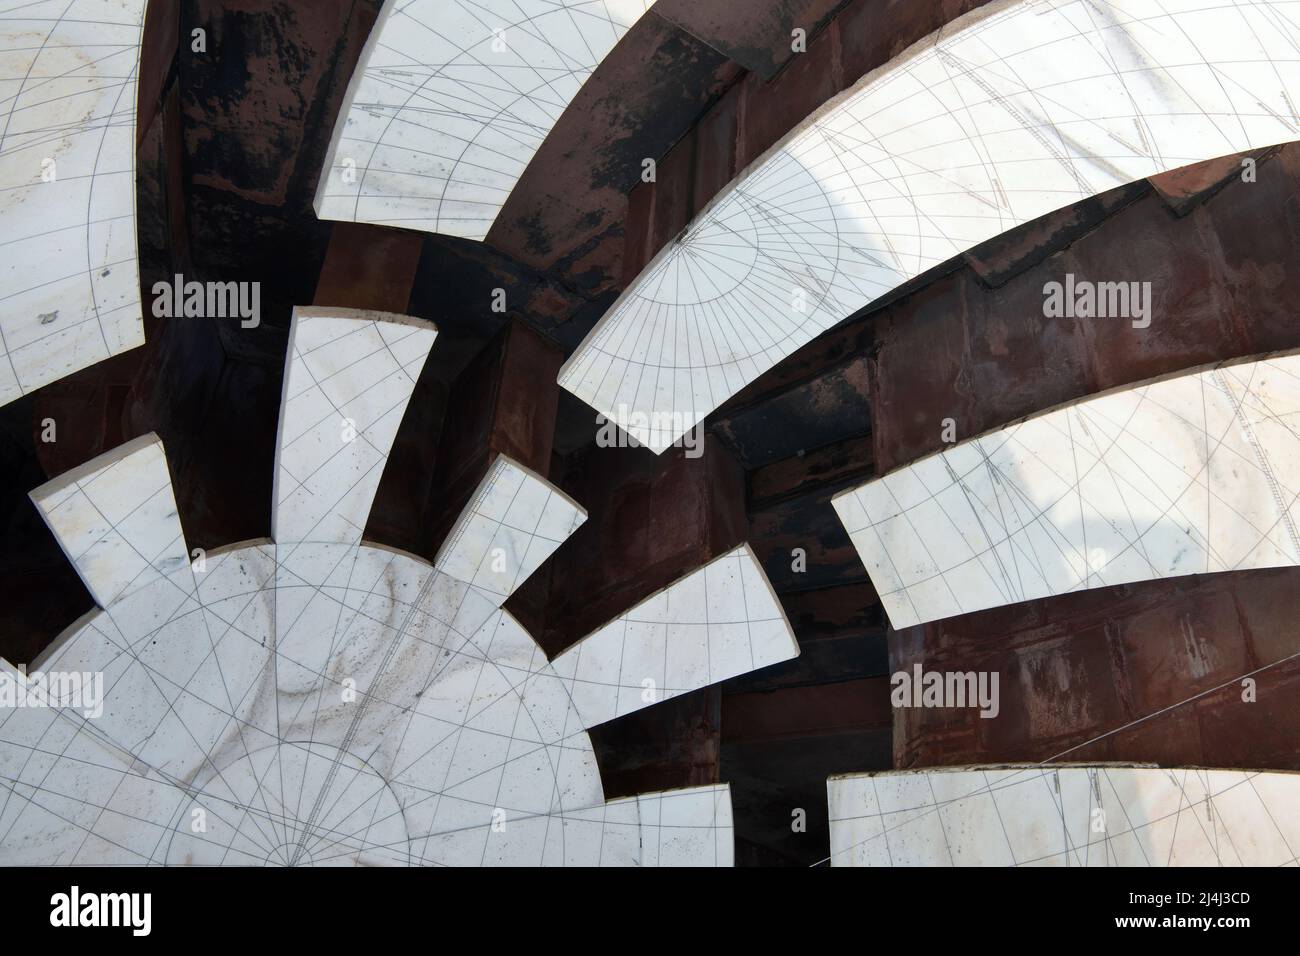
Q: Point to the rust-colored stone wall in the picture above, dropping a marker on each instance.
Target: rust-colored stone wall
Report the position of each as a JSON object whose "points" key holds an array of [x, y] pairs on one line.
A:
{"points": [[1149, 672], [1223, 281]]}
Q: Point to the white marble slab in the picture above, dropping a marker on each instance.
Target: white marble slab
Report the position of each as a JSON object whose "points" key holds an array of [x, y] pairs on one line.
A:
{"points": [[348, 376], [1106, 815], [1010, 112], [514, 523], [718, 622], [450, 101], [336, 702], [69, 273], [1192, 474], [117, 521], [68, 796], [688, 827]]}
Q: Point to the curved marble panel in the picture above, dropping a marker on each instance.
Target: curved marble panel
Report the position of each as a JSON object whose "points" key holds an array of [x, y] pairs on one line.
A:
{"points": [[69, 273], [450, 101], [1193, 474], [348, 377], [1012, 111], [1106, 815]]}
